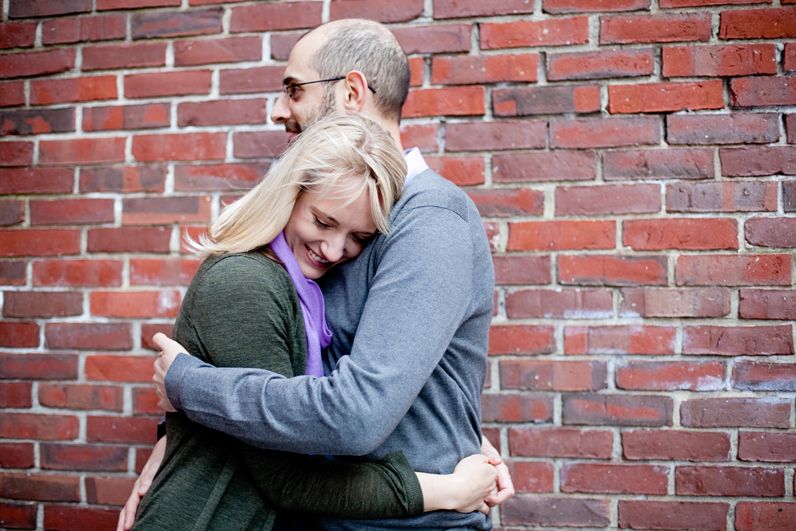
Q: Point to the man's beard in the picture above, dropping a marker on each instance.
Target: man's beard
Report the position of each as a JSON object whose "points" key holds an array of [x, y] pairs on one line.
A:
{"points": [[326, 108]]}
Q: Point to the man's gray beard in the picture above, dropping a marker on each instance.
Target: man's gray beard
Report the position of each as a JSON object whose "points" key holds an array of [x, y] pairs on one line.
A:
{"points": [[327, 107]]}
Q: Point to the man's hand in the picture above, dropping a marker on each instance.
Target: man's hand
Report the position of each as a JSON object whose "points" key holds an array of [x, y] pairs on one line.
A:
{"points": [[141, 486], [168, 351], [505, 487]]}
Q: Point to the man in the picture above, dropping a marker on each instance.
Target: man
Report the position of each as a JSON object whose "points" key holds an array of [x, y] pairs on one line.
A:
{"points": [[419, 301]]}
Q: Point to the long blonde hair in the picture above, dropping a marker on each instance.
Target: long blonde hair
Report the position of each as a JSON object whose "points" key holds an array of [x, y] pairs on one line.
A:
{"points": [[336, 147]]}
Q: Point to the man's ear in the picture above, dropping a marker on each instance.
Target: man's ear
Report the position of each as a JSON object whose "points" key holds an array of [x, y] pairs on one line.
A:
{"points": [[356, 91]]}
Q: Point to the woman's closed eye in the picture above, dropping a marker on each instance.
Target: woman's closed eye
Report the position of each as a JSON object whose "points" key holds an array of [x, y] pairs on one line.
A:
{"points": [[321, 224]]}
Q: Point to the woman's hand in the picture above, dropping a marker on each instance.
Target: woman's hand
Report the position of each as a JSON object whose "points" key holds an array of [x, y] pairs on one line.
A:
{"points": [[141, 486], [168, 352], [473, 479]]}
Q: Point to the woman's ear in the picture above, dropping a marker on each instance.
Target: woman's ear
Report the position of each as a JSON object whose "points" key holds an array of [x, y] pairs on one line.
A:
{"points": [[356, 91]]}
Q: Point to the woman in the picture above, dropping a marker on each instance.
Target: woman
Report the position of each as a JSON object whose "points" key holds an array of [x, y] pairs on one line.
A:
{"points": [[331, 191]]}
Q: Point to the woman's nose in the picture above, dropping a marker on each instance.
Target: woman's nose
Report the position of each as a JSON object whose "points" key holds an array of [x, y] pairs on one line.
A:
{"points": [[333, 248]]}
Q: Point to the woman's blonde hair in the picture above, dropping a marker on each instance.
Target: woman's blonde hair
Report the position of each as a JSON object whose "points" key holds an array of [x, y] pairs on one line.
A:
{"points": [[337, 147]]}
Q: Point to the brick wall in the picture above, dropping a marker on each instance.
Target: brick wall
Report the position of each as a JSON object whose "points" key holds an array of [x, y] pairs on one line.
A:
{"points": [[635, 165]]}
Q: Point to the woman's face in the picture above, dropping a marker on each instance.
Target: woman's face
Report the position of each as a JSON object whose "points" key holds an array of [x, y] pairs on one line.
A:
{"points": [[323, 230]]}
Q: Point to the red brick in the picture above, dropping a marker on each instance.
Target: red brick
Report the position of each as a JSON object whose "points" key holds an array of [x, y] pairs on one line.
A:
{"points": [[126, 55], [555, 511], [13, 273], [735, 412], [614, 479], [422, 136], [758, 161], [40, 427], [19, 334], [607, 199], [704, 3], [482, 136], [734, 270], [691, 234], [451, 101], [671, 302], [40, 487], [81, 151], [132, 4], [12, 212], [670, 375], [756, 376], [767, 304], [738, 341], [159, 84], [550, 32], [39, 242], [72, 518], [636, 29], [789, 195], [772, 516], [632, 339], [508, 202], [763, 91], [665, 97], [561, 235], [112, 368], [417, 67], [383, 11], [138, 304], [789, 57], [123, 179], [42, 304], [722, 197], [472, 8], [657, 164], [38, 366], [767, 447], [729, 481], [221, 112], [461, 171], [206, 51], [77, 273], [531, 476], [15, 394], [12, 93], [196, 232], [599, 65], [45, 8], [187, 146], [37, 180], [16, 153], [165, 210], [159, 24], [676, 445], [693, 516], [145, 402], [566, 303], [82, 29], [721, 60], [560, 442], [78, 89], [546, 100], [580, 6], [767, 23], [89, 336], [18, 515], [474, 69], [37, 121], [80, 396], [220, 177], [544, 375], [71, 211], [601, 270], [108, 490], [131, 430], [259, 144], [521, 340], [272, 17], [84, 457], [524, 407], [602, 132], [522, 269], [16, 455], [150, 329], [617, 410], [28, 64], [17, 34], [247, 80], [544, 166], [129, 239], [449, 38], [746, 128]]}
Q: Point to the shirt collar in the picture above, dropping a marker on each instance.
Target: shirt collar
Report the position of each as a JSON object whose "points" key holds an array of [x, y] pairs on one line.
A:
{"points": [[415, 164]]}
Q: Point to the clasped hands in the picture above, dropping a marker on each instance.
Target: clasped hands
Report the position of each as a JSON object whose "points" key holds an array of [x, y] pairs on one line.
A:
{"points": [[168, 352]]}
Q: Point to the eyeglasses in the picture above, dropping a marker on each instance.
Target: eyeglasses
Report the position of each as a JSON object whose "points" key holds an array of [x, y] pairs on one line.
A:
{"points": [[290, 90]]}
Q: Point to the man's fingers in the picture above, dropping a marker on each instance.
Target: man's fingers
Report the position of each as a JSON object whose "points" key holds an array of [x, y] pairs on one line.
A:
{"points": [[120, 524], [158, 338]]}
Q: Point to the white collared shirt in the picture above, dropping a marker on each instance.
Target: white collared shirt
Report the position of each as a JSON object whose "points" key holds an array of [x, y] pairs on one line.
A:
{"points": [[415, 164]]}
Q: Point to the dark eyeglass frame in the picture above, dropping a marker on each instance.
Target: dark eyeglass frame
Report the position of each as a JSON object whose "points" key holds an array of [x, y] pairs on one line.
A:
{"points": [[289, 88]]}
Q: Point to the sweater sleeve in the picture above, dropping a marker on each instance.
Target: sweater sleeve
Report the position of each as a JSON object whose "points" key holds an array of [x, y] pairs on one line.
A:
{"points": [[242, 314], [416, 302]]}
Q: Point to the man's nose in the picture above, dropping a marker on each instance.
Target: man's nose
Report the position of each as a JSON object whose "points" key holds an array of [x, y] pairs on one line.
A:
{"points": [[281, 112]]}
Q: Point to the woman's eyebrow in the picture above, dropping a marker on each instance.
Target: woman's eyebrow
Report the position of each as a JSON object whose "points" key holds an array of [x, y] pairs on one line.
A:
{"points": [[317, 211]]}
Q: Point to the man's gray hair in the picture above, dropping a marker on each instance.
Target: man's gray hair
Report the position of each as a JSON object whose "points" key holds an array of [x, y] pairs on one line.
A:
{"points": [[370, 48]]}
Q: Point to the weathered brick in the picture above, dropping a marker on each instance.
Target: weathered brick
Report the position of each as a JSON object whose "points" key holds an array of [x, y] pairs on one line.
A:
{"points": [[561, 235], [721, 197], [472, 8], [12, 212], [157, 84], [648, 514], [607, 199], [720, 60], [665, 97], [451, 101], [546, 100], [684, 233], [165, 210], [36, 121], [735, 412], [13, 273], [672, 302], [508, 202], [738, 341], [271, 17], [448, 38], [40, 427], [42, 303], [76, 273], [39, 242], [521, 340], [206, 51], [85, 28], [473, 69], [768, 23], [36, 180], [81, 151], [18, 515], [187, 147], [775, 516], [123, 179], [544, 166], [247, 80], [132, 430], [89, 336], [734, 270], [544, 375], [658, 164], [259, 144], [40, 487], [522, 269], [614, 478], [602, 270], [670, 375], [763, 91], [19, 334], [491, 136], [75, 517], [38, 366], [767, 304], [555, 511], [71, 211], [746, 128], [729, 481], [80, 396], [16, 153], [218, 177], [83, 457], [605, 133], [600, 65], [12, 93], [566, 303], [617, 410], [383, 11], [29, 64], [221, 112], [133, 4], [461, 171], [631, 339], [758, 161], [16, 394], [126, 55], [771, 232], [16, 455], [112, 368], [767, 447], [561, 442], [78, 89], [17, 34], [150, 329], [789, 57], [637, 29], [531, 476], [137, 304], [514, 407], [108, 490], [676, 445], [282, 44], [756, 376], [145, 402], [158, 272], [160, 24], [47, 8], [550, 32]]}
